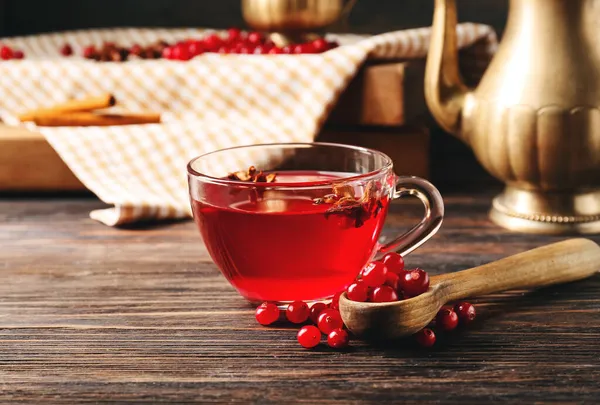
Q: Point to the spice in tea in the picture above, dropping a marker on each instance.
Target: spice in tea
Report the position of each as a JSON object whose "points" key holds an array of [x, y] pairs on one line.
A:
{"points": [[345, 203], [252, 175]]}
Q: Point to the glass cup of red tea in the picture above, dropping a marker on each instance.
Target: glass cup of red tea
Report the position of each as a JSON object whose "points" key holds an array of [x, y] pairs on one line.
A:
{"points": [[286, 222]]}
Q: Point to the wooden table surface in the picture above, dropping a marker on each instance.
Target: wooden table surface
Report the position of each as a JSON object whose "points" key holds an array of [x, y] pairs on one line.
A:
{"points": [[90, 314]]}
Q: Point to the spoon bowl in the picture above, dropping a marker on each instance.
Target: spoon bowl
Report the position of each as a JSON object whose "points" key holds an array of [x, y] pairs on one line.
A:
{"points": [[561, 262]]}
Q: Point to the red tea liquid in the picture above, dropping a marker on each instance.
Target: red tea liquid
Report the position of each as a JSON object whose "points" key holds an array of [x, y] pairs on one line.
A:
{"points": [[283, 247]]}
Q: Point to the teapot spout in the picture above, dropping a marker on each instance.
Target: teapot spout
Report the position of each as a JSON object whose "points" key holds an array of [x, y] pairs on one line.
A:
{"points": [[445, 91]]}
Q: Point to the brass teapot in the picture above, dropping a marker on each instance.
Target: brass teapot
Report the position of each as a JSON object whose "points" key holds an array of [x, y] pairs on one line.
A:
{"points": [[534, 120]]}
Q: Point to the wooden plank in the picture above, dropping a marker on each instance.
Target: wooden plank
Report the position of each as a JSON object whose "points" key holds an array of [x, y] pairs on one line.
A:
{"points": [[91, 314], [28, 162], [389, 94], [407, 146]]}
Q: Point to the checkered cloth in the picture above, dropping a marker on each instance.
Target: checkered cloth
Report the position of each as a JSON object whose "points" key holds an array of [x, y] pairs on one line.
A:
{"points": [[211, 102]]}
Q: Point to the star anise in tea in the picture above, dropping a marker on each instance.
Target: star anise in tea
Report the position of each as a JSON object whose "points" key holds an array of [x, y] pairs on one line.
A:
{"points": [[252, 175], [345, 203]]}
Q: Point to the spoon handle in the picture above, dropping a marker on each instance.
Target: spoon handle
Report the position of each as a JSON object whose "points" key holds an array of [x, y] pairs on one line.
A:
{"points": [[561, 262]]}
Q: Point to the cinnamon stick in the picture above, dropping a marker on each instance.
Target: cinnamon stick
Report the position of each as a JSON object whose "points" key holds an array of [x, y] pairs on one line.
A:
{"points": [[89, 103], [88, 119]]}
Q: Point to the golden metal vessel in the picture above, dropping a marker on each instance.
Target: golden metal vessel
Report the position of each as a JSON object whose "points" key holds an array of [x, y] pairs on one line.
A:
{"points": [[534, 120], [290, 19]]}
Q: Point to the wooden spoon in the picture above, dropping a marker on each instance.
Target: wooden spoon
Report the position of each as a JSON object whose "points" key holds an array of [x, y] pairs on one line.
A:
{"points": [[561, 262]]}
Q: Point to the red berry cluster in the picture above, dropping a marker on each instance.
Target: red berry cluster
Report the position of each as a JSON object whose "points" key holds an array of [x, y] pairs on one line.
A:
{"points": [[9, 53], [387, 281], [240, 42], [326, 318], [234, 41], [379, 281]]}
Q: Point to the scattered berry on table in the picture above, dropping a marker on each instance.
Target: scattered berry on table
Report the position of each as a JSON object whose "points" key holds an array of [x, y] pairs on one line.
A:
{"points": [[309, 336], [267, 313], [297, 312], [329, 320], [466, 312], [446, 319], [338, 338], [315, 311], [425, 337]]}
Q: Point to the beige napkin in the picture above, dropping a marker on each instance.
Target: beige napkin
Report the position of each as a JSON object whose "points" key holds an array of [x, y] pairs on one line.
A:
{"points": [[214, 101]]}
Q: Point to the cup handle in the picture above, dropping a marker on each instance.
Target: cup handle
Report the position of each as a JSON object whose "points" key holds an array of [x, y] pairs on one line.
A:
{"points": [[431, 222]]}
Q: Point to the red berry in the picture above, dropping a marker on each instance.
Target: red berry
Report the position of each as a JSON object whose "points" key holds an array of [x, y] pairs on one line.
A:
{"points": [[195, 48], [316, 310], [466, 312], [267, 313], [385, 293], [297, 312], [287, 49], [335, 300], [275, 51], [244, 49], [425, 337], [308, 48], [255, 37], [332, 45], [309, 336], [394, 262], [6, 53], [137, 50], [66, 50], [320, 45], [89, 52], [260, 50], [338, 338], [414, 282], [374, 274], [234, 34], [213, 42], [18, 54], [297, 49], [358, 292], [181, 52], [329, 320], [167, 52], [446, 319], [224, 50], [393, 280]]}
